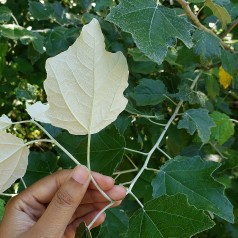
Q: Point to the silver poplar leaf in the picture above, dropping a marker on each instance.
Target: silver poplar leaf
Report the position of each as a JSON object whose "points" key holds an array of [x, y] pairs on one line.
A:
{"points": [[37, 111], [13, 159], [5, 122], [85, 84]]}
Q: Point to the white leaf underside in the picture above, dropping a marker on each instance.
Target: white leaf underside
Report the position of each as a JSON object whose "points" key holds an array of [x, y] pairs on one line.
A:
{"points": [[13, 159], [85, 84], [5, 122]]}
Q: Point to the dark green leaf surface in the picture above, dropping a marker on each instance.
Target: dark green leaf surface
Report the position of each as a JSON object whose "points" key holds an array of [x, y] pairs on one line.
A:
{"points": [[206, 45], [153, 27], [107, 149], [2, 203], [39, 166], [224, 128], [115, 225], [229, 61], [149, 92], [193, 177], [197, 119], [168, 216], [82, 231]]}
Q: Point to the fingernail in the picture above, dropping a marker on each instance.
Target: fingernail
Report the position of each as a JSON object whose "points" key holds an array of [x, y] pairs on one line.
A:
{"points": [[80, 174]]}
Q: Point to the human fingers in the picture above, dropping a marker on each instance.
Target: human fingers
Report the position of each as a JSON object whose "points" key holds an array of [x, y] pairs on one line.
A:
{"points": [[43, 190], [116, 193], [60, 210], [72, 228], [84, 209]]}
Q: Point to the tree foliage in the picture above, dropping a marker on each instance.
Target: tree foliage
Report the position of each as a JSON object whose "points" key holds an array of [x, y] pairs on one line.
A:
{"points": [[174, 146]]}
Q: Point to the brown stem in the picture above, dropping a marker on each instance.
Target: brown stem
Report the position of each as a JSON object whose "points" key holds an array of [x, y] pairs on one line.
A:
{"points": [[193, 17], [229, 29]]}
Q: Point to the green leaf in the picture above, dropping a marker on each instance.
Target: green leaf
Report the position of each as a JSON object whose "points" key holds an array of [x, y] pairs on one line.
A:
{"points": [[107, 149], [224, 128], [206, 45], [197, 119], [2, 203], [232, 159], [26, 91], [59, 39], [39, 166], [229, 62], [137, 55], [168, 216], [102, 5], [193, 176], [5, 14], [220, 12], [115, 225], [188, 95], [153, 27], [83, 231], [212, 87], [149, 92], [40, 11]]}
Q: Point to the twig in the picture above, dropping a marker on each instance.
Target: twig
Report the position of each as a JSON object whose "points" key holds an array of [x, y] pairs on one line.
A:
{"points": [[161, 137], [193, 17], [163, 152], [136, 198], [229, 29], [135, 151], [152, 169]]}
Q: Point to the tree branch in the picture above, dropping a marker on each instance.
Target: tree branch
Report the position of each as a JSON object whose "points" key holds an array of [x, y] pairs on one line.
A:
{"points": [[229, 29], [193, 17]]}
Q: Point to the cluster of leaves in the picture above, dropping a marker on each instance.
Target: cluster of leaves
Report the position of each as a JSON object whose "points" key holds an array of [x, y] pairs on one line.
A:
{"points": [[183, 90]]}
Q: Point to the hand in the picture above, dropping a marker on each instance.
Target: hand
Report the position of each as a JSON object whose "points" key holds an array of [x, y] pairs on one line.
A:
{"points": [[54, 206]]}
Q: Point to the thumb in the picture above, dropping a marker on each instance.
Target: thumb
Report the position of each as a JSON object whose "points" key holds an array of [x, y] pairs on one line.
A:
{"points": [[63, 205]]}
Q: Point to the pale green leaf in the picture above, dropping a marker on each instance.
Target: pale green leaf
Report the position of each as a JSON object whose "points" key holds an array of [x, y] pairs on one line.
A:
{"points": [[153, 27], [85, 84], [224, 128], [193, 176], [197, 119], [13, 159], [5, 122], [206, 45], [220, 12], [149, 92], [168, 216]]}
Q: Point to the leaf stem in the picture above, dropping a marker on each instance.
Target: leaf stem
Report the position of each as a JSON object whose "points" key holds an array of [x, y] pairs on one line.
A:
{"points": [[88, 152], [99, 214], [23, 182], [136, 198], [100, 190], [8, 194], [163, 152], [229, 29], [135, 151], [37, 141], [156, 145], [156, 123], [152, 169]]}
